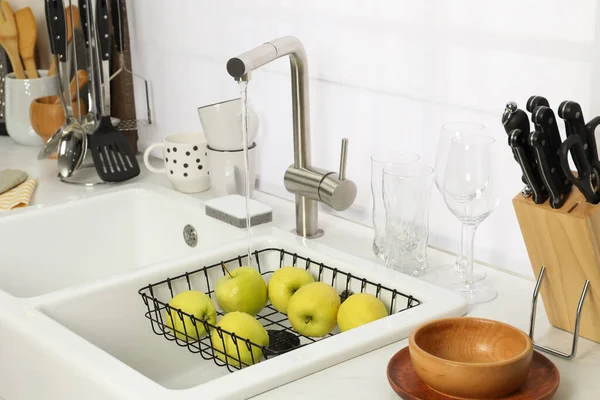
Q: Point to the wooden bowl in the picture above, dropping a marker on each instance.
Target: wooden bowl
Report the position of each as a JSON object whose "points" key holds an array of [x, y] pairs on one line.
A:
{"points": [[46, 116], [471, 358]]}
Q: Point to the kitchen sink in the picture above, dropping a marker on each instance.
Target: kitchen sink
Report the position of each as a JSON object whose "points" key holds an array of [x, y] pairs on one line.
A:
{"points": [[77, 307], [60, 246], [113, 319]]}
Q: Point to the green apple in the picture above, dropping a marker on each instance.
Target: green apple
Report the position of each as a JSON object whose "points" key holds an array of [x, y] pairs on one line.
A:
{"points": [[360, 309], [284, 283], [242, 289], [312, 310], [194, 303], [245, 327]]}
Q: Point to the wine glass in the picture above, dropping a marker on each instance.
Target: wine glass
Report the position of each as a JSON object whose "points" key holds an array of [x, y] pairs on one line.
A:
{"points": [[469, 193], [454, 273]]}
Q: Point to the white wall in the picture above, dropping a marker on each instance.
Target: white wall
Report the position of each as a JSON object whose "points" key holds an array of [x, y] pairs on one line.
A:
{"points": [[384, 73]]}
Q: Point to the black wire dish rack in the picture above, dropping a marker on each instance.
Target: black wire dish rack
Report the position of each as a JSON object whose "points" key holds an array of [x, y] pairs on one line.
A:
{"points": [[156, 297]]}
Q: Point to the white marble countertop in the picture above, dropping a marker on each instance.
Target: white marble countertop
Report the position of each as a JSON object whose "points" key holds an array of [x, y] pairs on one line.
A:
{"points": [[364, 376]]}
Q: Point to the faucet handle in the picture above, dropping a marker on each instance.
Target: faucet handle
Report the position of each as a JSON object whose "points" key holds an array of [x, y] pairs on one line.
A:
{"points": [[334, 189], [343, 159]]}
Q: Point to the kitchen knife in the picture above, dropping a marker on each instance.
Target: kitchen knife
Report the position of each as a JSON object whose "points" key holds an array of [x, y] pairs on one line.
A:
{"points": [[535, 101], [545, 122], [588, 177], [515, 118], [550, 168], [575, 124], [517, 140]]}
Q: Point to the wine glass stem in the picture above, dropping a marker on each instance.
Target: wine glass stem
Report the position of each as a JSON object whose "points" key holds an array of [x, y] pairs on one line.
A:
{"points": [[460, 263], [468, 235]]}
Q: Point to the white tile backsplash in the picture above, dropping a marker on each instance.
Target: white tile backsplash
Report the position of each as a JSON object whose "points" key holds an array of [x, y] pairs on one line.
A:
{"points": [[384, 73]]}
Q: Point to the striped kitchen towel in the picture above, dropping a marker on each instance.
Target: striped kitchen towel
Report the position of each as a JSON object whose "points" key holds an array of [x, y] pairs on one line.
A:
{"points": [[19, 196]]}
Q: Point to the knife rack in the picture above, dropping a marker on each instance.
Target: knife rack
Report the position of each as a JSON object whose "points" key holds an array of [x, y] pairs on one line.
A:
{"points": [[566, 242]]}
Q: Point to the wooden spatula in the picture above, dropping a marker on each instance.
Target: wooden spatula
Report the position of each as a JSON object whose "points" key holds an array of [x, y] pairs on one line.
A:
{"points": [[9, 38], [27, 31], [77, 22]]}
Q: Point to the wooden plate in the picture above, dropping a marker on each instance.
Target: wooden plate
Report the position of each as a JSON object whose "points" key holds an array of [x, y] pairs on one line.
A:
{"points": [[541, 384]]}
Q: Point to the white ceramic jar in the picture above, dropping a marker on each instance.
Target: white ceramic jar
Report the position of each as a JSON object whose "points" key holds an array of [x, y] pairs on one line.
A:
{"points": [[19, 93]]}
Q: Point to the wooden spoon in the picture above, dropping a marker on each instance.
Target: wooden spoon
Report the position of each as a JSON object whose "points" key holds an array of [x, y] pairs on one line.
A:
{"points": [[27, 30], [77, 22], [82, 75], [9, 39]]}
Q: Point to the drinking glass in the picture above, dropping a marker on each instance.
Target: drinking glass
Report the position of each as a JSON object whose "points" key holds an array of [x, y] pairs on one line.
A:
{"points": [[379, 161], [406, 192], [454, 273], [469, 193]]}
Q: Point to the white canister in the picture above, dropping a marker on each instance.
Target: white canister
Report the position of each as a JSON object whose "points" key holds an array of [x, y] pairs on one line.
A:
{"points": [[19, 93]]}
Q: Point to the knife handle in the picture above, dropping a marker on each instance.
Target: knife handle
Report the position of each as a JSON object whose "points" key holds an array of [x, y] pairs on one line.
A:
{"points": [[57, 28], [587, 180], [83, 17], [535, 101], [517, 140], [102, 29], [571, 112], [515, 118], [550, 171], [545, 121], [116, 8], [561, 114], [48, 10]]}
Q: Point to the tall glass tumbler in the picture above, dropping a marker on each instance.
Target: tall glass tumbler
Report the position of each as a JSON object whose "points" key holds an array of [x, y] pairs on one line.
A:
{"points": [[406, 193], [379, 161]]}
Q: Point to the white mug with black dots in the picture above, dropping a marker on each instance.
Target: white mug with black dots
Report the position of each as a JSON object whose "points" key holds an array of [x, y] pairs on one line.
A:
{"points": [[185, 161]]}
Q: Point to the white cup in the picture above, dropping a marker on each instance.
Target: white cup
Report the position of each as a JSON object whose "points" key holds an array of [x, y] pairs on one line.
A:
{"points": [[222, 124], [185, 159], [19, 93], [227, 172]]}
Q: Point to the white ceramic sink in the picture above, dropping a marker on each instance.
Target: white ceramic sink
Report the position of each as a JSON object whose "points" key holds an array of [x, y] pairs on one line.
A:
{"points": [[65, 245], [76, 326]]}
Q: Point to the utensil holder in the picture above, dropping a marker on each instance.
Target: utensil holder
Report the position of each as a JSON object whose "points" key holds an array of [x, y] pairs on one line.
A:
{"points": [[565, 243], [20, 93]]}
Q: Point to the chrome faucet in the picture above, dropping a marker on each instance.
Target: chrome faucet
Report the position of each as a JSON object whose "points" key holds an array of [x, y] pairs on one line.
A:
{"points": [[308, 183]]}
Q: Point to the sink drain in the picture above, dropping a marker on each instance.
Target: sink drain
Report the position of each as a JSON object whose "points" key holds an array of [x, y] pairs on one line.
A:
{"points": [[190, 236]]}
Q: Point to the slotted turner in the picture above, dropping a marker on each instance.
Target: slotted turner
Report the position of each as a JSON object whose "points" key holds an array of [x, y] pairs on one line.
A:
{"points": [[113, 158]]}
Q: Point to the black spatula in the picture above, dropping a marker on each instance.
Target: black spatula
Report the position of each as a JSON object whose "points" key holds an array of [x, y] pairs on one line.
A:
{"points": [[113, 158]]}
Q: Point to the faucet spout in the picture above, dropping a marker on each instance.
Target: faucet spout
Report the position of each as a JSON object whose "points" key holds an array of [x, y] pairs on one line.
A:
{"points": [[241, 66], [307, 183]]}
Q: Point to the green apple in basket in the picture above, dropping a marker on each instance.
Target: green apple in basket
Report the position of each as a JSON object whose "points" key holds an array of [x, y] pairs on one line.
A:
{"points": [[284, 283], [194, 303], [245, 327], [360, 309], [312, 310], [242, 289]]}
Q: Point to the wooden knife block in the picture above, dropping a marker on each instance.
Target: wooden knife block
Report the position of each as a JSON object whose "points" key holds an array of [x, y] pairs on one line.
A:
{"points": [[567, 242]]}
